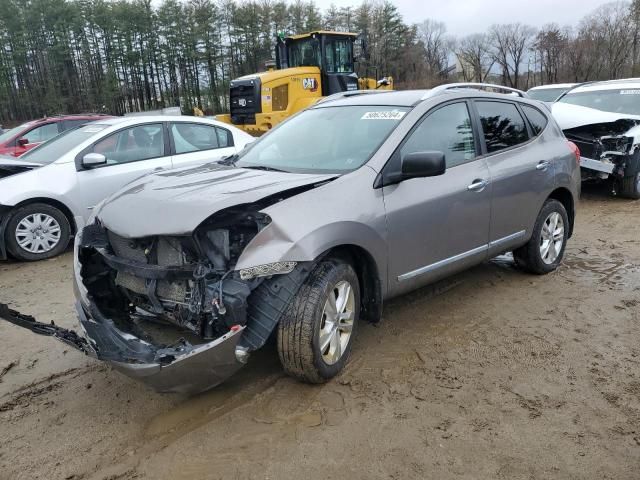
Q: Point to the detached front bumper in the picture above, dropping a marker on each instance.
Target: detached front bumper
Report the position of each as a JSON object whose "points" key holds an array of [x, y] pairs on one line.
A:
{"points": [[183, 368]]}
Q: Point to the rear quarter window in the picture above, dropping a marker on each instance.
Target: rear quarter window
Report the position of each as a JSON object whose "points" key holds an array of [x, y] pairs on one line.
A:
{"points": [[537, 119]]}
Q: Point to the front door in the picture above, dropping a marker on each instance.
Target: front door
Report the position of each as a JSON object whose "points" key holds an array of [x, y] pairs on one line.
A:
{"points": [[131, 153], [440, 224]]}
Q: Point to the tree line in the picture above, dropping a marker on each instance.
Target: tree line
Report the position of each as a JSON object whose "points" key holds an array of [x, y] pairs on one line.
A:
{"points": [[118, 56]]}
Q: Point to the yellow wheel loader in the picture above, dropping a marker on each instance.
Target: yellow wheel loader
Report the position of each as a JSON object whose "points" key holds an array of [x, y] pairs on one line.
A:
{"points": [[307, 67]]}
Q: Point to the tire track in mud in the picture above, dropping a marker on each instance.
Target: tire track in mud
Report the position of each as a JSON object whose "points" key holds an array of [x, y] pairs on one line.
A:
{"points": [[24, 396]]}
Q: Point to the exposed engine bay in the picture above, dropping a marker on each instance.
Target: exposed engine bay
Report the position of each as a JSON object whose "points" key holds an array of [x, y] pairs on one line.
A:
{"points": [[608, 143], [187, 282]]}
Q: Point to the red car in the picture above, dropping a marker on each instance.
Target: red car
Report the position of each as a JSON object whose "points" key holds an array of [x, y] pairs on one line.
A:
{"points": [[19, 140]]}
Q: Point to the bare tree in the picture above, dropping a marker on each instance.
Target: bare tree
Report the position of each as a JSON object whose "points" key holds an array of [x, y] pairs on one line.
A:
{"points": [[550, 48], [474, 56], [436, 44], [511, 43]]}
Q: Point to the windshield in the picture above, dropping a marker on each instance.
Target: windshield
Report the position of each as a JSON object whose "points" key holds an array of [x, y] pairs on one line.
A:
{"points": [[324, 140], [617, 101], [304, 53], [546, 94], [52, 150], [9, 134]]}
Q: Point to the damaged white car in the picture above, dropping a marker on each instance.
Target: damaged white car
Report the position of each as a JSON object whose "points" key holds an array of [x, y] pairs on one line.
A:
{"points": [[603, 120]]}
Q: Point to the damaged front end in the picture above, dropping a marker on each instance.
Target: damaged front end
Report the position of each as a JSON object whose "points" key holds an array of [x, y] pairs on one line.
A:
{"points": [[172, 311], [607, 149]]}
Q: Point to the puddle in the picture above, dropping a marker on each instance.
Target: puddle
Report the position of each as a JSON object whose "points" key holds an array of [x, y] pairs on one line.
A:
{"points": [[613, 273]]}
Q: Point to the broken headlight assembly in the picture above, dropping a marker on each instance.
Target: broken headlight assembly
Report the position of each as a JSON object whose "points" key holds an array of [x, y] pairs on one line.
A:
{"points": [[267, 270]]}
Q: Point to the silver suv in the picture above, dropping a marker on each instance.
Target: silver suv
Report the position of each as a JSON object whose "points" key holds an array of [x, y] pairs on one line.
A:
{"points": [[181, 275]]}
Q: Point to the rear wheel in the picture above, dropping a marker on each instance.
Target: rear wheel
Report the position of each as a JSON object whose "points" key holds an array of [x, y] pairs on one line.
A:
{"points": [[315, 335], [545, 250], [36, 232]]}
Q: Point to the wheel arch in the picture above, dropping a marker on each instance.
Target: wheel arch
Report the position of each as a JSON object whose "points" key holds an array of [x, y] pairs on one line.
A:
{"points": [[53, 203], [368, 275], [564, 196]]}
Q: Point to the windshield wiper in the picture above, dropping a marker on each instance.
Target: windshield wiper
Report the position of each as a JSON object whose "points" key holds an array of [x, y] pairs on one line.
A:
{"points": [[229, 160], [265, 168]]}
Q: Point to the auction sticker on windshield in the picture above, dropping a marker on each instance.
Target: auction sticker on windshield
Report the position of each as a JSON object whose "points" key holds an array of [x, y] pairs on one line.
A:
{"points": [[383, 116], [629, 92]]}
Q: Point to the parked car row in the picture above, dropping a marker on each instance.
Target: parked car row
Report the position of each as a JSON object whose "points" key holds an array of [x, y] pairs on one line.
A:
{"points": [[48, 194], [603, 120], [19, 140], [183, 273]]}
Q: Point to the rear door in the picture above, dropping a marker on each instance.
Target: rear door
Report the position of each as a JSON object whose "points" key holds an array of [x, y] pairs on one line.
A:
{"points": [[131, 153], [438, 225], [198, 143], [521, 171]]}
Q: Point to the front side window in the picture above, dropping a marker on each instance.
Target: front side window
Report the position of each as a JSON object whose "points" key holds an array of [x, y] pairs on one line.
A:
{"points": [[502, 124], [447, 130], [42, 133], [624, 100], [304, 53], [133, 144], [338, 56], [324, 140]]}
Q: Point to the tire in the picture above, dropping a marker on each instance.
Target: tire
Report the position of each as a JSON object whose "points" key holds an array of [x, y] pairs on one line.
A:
{"points": [[305, 324], [52, 225], [630, 183], [531, 257]]}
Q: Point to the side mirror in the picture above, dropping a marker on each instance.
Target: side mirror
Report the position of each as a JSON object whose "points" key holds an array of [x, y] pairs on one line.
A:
{"points": [[91, 160], [23, 141], [423, 164]]}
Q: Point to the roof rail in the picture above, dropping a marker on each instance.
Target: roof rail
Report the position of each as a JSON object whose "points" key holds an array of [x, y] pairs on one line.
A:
{"points": [[349, 93], [476, 86]]}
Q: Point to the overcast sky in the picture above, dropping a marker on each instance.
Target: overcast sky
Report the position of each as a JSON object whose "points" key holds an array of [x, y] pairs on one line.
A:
{"points": [[472, 16]]}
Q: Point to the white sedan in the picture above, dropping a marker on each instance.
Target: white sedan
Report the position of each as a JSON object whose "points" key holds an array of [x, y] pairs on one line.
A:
{"points": [[49, 193]]}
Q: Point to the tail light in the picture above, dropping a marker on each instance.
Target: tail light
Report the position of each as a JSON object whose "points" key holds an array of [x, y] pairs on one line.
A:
{"points": [[576, 151]]}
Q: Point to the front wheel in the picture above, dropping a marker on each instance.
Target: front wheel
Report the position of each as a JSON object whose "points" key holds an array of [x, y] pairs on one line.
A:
{"points": [[544, 252], [36, 232], [315, 335]]}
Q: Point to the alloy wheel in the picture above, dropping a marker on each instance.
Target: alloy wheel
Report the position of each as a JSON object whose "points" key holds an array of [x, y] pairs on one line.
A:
{"points": [[337, 322], [552, 238]]}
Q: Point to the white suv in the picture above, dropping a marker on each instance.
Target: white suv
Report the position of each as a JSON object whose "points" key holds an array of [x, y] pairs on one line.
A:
{"points": [[49, 192]]}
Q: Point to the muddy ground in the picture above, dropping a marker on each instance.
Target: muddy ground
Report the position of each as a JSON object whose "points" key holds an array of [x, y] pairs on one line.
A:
{"points": [[493, 374]]}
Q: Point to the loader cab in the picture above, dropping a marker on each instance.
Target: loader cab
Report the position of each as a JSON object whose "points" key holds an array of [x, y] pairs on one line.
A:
{"points": [[331, 52]]}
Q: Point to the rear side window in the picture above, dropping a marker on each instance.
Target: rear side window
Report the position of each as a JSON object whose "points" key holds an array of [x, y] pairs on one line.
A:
{"points": [[502, 125], [536, 118]]}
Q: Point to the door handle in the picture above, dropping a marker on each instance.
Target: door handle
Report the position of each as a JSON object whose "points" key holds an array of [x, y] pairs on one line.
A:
{"points": [[159, 169], [478, 185], [543, 165]]}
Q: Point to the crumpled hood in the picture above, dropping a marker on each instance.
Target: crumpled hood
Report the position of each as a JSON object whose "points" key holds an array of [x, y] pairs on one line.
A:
{"points": [[570, 116], [177, 201], [10, 166]]}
